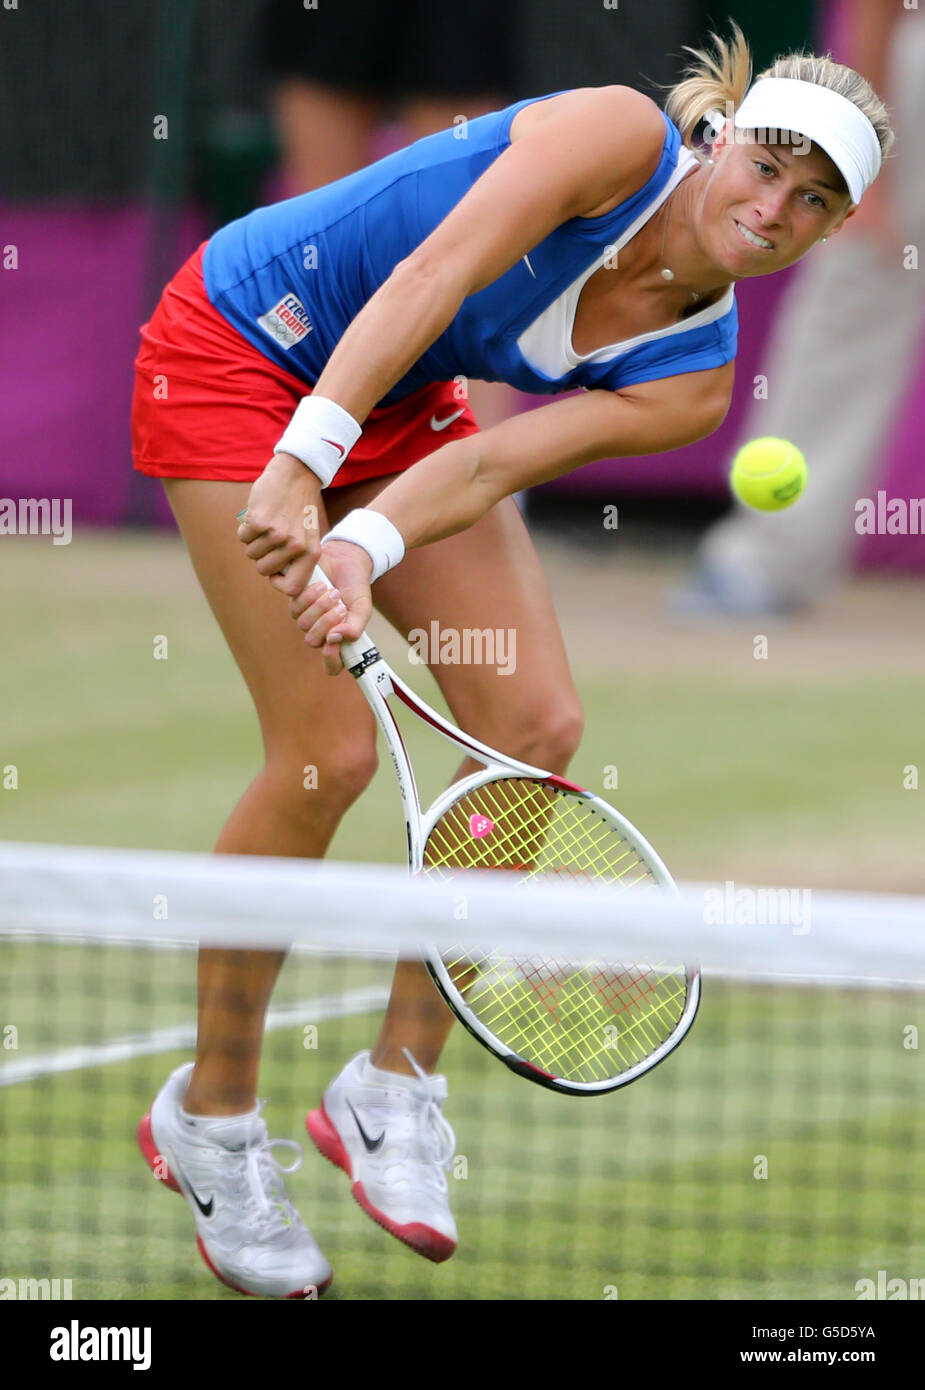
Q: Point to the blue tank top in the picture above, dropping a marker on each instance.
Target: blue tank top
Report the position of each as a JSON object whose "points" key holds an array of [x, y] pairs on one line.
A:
{"points": [[291, 277]]}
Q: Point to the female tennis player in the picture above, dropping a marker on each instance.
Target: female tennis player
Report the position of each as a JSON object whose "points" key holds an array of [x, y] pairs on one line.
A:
{"points": [[577, 239]]}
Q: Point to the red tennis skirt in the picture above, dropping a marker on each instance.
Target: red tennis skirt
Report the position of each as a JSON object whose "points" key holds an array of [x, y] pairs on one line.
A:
{"points": [[209, 405]]}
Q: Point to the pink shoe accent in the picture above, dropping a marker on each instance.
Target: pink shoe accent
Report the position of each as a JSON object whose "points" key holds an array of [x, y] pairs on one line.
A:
{"points": [[480, 826], [327, 1140], [153, 1157], [424, 1239]]}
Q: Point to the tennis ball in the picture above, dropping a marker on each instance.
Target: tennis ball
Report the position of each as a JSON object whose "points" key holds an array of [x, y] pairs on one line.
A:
{"points": [[768, 474]]}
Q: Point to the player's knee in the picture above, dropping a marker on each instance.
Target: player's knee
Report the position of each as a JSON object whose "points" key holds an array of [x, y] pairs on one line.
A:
{"points": [[325, 779], [549, 735], [355, 767]]}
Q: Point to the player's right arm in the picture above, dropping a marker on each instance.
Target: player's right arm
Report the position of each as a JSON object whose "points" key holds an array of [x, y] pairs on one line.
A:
{"points": [[607, 142]]}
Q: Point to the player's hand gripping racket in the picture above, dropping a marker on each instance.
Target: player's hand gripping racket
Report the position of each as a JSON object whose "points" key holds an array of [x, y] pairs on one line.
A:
{"points": [[578, 1028]]}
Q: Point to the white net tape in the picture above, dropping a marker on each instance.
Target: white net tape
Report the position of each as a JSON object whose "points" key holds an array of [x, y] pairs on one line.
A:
{"points": [[733, 930]]}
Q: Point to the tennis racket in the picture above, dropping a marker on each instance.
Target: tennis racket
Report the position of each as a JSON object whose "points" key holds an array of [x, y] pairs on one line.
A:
{"points": [[575, 1027]]}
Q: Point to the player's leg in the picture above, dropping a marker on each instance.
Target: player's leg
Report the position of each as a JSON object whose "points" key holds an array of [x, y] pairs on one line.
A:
{"points": [[524, 704], [305, 724], [381, 1117], [204, 1135]]}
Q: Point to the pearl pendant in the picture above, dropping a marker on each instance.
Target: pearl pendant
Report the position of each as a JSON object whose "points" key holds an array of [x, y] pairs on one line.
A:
{"points": [[667, 274]]}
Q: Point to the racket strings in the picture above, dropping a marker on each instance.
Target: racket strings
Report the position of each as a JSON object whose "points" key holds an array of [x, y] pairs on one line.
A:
{"points": [[533, 827], [577, 1021], [576, 1032]]}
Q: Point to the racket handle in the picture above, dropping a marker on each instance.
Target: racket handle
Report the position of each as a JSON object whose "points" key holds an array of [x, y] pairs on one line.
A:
{"points": [[351, 652]]}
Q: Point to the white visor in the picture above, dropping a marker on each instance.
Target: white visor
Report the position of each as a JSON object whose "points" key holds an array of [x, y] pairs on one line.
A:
{"points": [[782, 107]]}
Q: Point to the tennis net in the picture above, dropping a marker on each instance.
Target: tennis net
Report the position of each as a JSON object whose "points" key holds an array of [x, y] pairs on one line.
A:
{"points": [[775, 1155]]}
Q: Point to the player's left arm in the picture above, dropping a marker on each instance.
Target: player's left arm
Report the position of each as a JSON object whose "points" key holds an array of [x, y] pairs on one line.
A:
{"points": [[449, 490]]}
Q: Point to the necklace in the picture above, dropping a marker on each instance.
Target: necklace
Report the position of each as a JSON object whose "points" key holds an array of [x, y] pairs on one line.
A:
{"points": [[666, 273]]}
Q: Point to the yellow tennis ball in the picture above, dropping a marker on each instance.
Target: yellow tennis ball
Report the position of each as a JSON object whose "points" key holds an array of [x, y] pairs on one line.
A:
{"points": [[768, 474]]}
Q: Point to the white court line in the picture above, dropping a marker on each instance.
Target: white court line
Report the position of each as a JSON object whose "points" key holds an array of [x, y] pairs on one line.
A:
{"points": [[356, 1001]]}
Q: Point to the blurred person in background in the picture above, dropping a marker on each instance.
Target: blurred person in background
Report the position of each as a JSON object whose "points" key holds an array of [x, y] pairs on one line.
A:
{"points": [[340, 71], [832, 389]]}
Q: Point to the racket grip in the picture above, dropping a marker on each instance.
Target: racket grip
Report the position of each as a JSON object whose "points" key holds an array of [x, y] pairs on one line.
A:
{"points": [[351, 652]]}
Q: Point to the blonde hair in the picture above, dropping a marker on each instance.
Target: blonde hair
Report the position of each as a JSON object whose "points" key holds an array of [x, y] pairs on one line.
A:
{"points": [[721, 79]]}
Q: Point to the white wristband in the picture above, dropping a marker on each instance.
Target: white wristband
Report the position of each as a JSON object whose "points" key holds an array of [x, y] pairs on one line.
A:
{"points": [[321, 433], [375, 534]]}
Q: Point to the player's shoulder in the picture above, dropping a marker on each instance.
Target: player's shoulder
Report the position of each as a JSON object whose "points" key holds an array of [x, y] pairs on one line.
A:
{"points": [[626, 132], [604, 142], [630, 104], [614, 112], [630, 123], [626, 116]]}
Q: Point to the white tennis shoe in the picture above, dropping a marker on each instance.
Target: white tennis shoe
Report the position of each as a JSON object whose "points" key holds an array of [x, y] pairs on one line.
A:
{"points": [[248, 1232], [389, 1135]]}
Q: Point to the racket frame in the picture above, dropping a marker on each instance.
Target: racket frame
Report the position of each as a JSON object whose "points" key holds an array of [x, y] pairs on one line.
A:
{"points": [[378, 681], [474, 1025]]}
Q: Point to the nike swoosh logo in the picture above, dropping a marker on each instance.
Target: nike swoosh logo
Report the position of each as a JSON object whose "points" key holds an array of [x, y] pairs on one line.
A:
{"points": [[204, 1207], [372, 1145], [339, 447], [436, 424]]}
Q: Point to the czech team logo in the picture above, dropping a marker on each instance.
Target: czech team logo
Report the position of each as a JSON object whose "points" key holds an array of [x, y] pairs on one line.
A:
{"points": [[287, 321]]}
